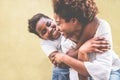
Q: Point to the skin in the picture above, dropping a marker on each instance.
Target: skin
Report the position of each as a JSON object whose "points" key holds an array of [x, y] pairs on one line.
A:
{"points": [[73, 28], [48, 30], [69, 28]]}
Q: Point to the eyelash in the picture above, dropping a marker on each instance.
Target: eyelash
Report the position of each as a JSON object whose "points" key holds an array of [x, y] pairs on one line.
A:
{"points": [[44, 31], [48, 24]]}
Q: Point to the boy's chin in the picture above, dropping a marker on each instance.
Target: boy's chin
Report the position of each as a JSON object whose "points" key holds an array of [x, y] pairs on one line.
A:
{"points": [[56, 36]]}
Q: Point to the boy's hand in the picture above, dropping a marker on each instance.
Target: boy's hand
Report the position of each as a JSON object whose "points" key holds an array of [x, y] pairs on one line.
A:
{"points": [[63, 65], [98, 45], [55, 59], [58, 58], [52, 57]]}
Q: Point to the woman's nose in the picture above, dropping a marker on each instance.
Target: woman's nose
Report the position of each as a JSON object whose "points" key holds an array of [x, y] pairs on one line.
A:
{"points": [[57, 28]]}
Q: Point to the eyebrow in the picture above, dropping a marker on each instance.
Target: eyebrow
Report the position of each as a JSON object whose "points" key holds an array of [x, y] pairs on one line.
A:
{"points": [[40, 31], [40, 27]]}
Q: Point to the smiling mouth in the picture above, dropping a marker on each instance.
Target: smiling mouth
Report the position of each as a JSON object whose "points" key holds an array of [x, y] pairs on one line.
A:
{"points": [[51, 36]]}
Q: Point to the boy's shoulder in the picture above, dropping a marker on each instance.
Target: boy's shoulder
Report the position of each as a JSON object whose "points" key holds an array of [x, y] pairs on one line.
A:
{"points": [[57, 41]]}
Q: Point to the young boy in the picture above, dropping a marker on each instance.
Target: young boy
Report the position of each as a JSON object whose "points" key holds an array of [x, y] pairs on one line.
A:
{"points": [[45, 28]]}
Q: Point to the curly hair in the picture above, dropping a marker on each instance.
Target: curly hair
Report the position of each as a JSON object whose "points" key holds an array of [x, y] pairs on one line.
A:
{"points": [[33, 21], [83, 10]]}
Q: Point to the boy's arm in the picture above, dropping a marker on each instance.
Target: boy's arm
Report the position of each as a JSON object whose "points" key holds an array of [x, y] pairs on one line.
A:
{"points": [[52, 59], [50, 48]]}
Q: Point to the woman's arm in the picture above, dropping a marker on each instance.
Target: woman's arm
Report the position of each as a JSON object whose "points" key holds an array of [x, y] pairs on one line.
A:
{"points": [[91, 45], [96, 45], [73, 63]]}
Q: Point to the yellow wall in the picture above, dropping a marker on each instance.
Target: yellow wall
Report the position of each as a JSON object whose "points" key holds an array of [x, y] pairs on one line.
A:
{"points": [[20, 55]]}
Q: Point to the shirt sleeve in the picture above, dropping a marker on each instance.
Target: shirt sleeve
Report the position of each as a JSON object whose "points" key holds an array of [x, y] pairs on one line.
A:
{"points": [[49, 46], [100, 67]]}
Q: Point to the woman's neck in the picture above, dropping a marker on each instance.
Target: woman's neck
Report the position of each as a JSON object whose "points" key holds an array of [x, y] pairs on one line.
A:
{"points": [[87, 33]]}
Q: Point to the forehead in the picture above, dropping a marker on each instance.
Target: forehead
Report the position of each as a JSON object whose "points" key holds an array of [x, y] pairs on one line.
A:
{"points": [[42, 20]]}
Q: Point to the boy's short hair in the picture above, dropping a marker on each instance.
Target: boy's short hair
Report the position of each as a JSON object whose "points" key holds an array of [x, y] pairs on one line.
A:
{"points": [[83, 10], [33, 21]]}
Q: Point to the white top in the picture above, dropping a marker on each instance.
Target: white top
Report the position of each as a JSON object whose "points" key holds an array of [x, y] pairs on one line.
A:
{"points": [[100, 65], [49, 46]]}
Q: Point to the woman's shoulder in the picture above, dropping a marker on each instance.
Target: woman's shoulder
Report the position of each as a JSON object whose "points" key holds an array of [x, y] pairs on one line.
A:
{"points": [[103, 27], [103, 23]]}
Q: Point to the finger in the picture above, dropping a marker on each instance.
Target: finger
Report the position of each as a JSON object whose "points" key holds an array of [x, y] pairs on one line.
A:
{"points": [[54, 62], [99, 38], [53, 59], [101, 42], [95, 45], [98, 51], [104, 47], [100, 46], [104, 50]]}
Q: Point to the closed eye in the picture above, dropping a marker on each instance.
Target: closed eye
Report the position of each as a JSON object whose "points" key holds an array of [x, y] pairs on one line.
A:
{"points": [[43, 31], [48, 23]]}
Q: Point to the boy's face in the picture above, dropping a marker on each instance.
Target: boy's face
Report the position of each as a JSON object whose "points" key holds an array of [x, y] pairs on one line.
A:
{"points": [[46, 28]]}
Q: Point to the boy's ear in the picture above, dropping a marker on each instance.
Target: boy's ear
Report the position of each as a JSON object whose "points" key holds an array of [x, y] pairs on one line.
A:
{"points": [[74, 20]]}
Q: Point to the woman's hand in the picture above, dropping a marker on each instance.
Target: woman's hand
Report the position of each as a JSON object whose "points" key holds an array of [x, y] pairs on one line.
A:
{"points": [[97, 45]]}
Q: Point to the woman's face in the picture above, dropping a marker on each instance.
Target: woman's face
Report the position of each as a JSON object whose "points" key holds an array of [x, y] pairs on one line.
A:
{"points": [[46, 28], [67, 28]]}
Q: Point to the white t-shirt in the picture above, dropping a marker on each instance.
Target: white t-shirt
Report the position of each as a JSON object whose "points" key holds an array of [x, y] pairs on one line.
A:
{"points": [[49, 46]]}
